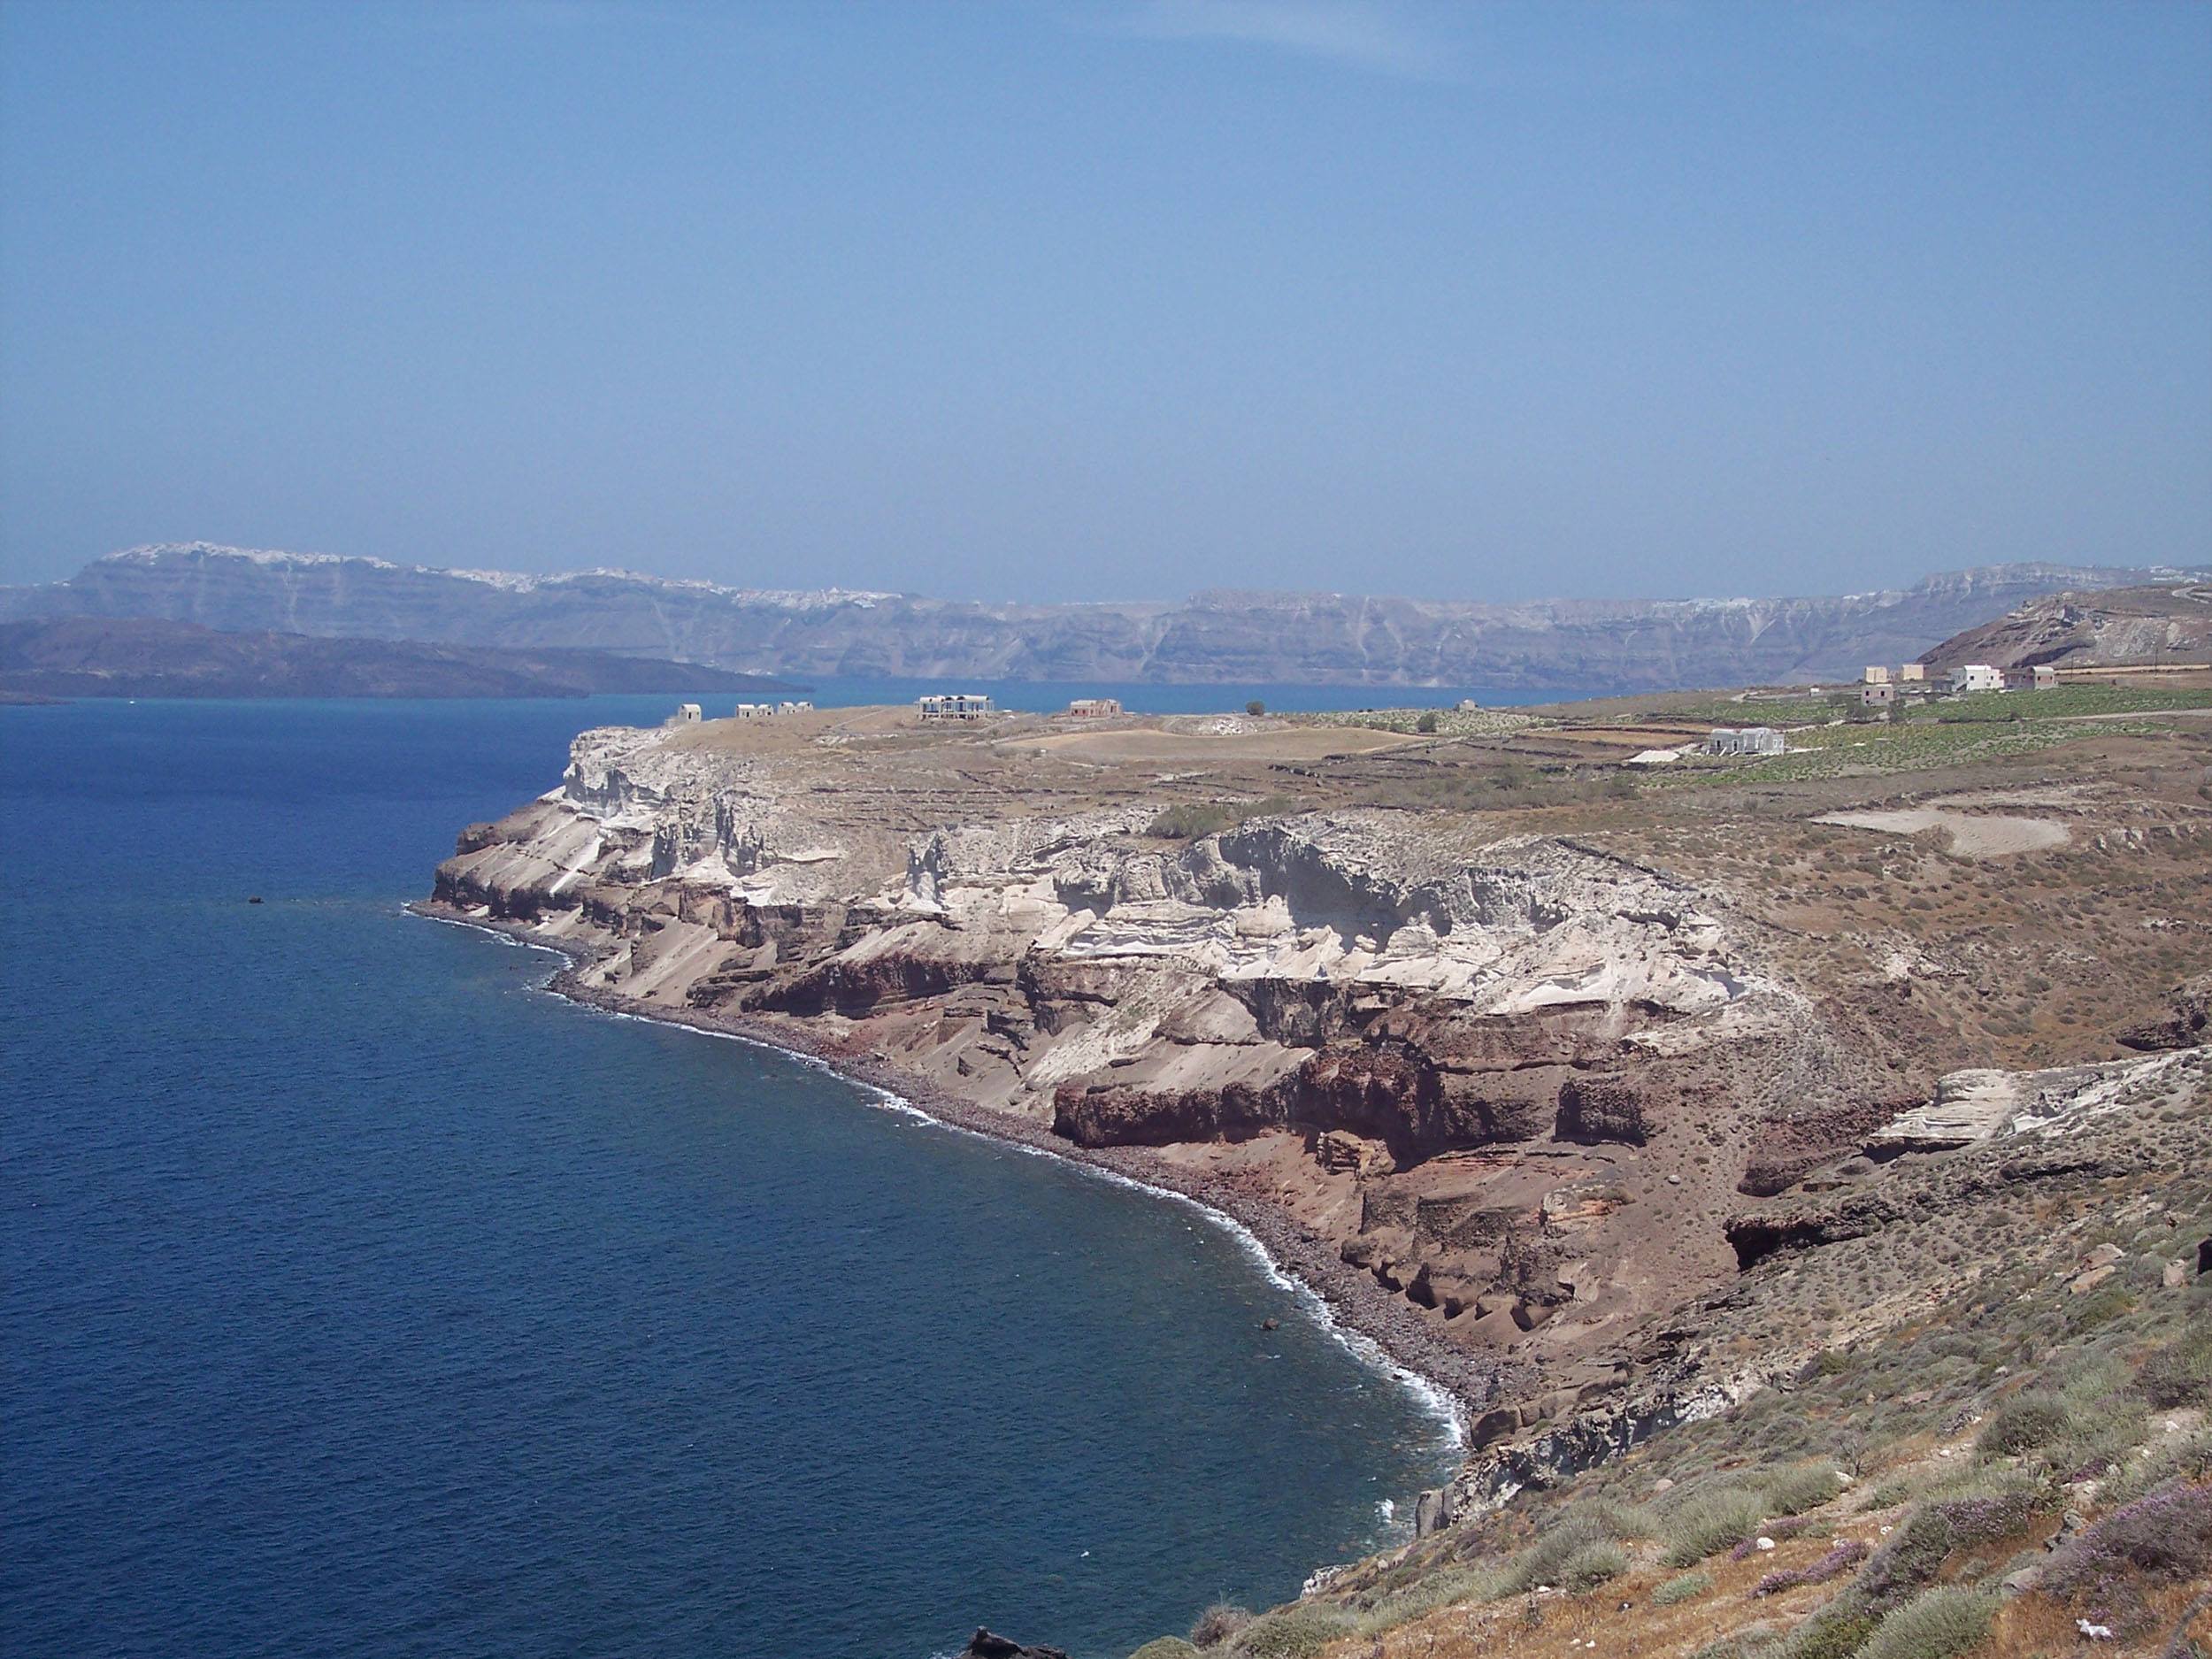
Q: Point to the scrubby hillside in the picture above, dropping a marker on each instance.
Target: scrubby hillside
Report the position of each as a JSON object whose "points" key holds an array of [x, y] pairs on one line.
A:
{"points": [[2022, 1469]]}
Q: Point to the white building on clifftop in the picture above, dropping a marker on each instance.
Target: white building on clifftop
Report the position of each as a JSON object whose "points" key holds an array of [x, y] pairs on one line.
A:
{"points": [[954, 705]]}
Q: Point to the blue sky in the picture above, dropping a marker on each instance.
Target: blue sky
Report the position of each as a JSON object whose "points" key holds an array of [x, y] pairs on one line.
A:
{"points": [[1111, 300]]}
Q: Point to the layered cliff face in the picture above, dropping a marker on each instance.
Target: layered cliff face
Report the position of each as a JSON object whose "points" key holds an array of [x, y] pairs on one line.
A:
{"points": [[1211, 637], [1512, 1081]]}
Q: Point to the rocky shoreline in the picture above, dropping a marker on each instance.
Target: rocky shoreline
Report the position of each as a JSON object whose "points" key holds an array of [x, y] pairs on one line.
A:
{"points": [[1462, 1383]]}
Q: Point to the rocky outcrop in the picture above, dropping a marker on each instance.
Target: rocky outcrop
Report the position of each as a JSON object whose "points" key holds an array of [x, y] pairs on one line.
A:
{"points": [[2003, 1130], [2187, 1024], [2114, 627], [984, 1645], [1975, 1106], [1809, 1225]]}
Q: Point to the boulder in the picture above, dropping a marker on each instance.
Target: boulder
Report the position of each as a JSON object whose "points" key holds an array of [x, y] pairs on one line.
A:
{"points": [[1599, 1108], [2186, 1023]]}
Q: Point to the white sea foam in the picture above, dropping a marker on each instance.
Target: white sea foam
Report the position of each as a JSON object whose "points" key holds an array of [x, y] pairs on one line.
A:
{"points": [[1435, 1403]]}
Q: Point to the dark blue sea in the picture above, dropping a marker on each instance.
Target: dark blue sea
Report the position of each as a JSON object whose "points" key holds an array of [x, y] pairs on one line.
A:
{"points": [[357, 1297]]}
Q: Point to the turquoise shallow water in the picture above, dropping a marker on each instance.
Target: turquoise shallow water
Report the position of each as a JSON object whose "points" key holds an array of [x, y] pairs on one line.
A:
{"points": [[361, 1298]]}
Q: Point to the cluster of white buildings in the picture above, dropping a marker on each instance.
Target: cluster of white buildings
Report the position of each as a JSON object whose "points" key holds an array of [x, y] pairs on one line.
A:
{"points": [[691, 714], [1881, 689]]}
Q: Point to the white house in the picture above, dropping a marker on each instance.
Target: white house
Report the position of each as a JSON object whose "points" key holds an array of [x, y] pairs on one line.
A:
{"points": [[686, 713], [1749, 740], [1877, 675], [1094, 708], [1978, 677]]}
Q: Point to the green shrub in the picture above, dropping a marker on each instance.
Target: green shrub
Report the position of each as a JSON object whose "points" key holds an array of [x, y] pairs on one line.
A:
{"points": [[2101, 1308], [1934, 1625], [1800, 1487], [1836, 1632], [1217, 1624], [1686, 1588], [2186, 1456], [1894, 1490], [1291, 1632], [1545, 1560], [1709, 1524], [1928, 1536], [1755, 1642], [1166, 1648], [2022, 1424], [1620, 1520], [2180, 1373], [1195, 820], [2100, 1439], [1448, 1586], [2165, 1535], [2089, 1381], [1191, 820], [1592, 1566]]}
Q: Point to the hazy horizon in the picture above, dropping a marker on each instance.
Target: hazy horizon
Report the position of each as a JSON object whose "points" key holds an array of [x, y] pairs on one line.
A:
{"points": [[1113, 301]]}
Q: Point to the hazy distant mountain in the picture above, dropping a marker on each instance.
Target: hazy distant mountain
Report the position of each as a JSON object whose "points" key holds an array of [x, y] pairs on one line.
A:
{"points": [[102, 656], [1219, 636]]}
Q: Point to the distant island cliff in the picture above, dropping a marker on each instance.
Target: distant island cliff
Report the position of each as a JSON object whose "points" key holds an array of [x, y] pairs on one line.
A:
{"points": [[1215, 637], [89, 657]]}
